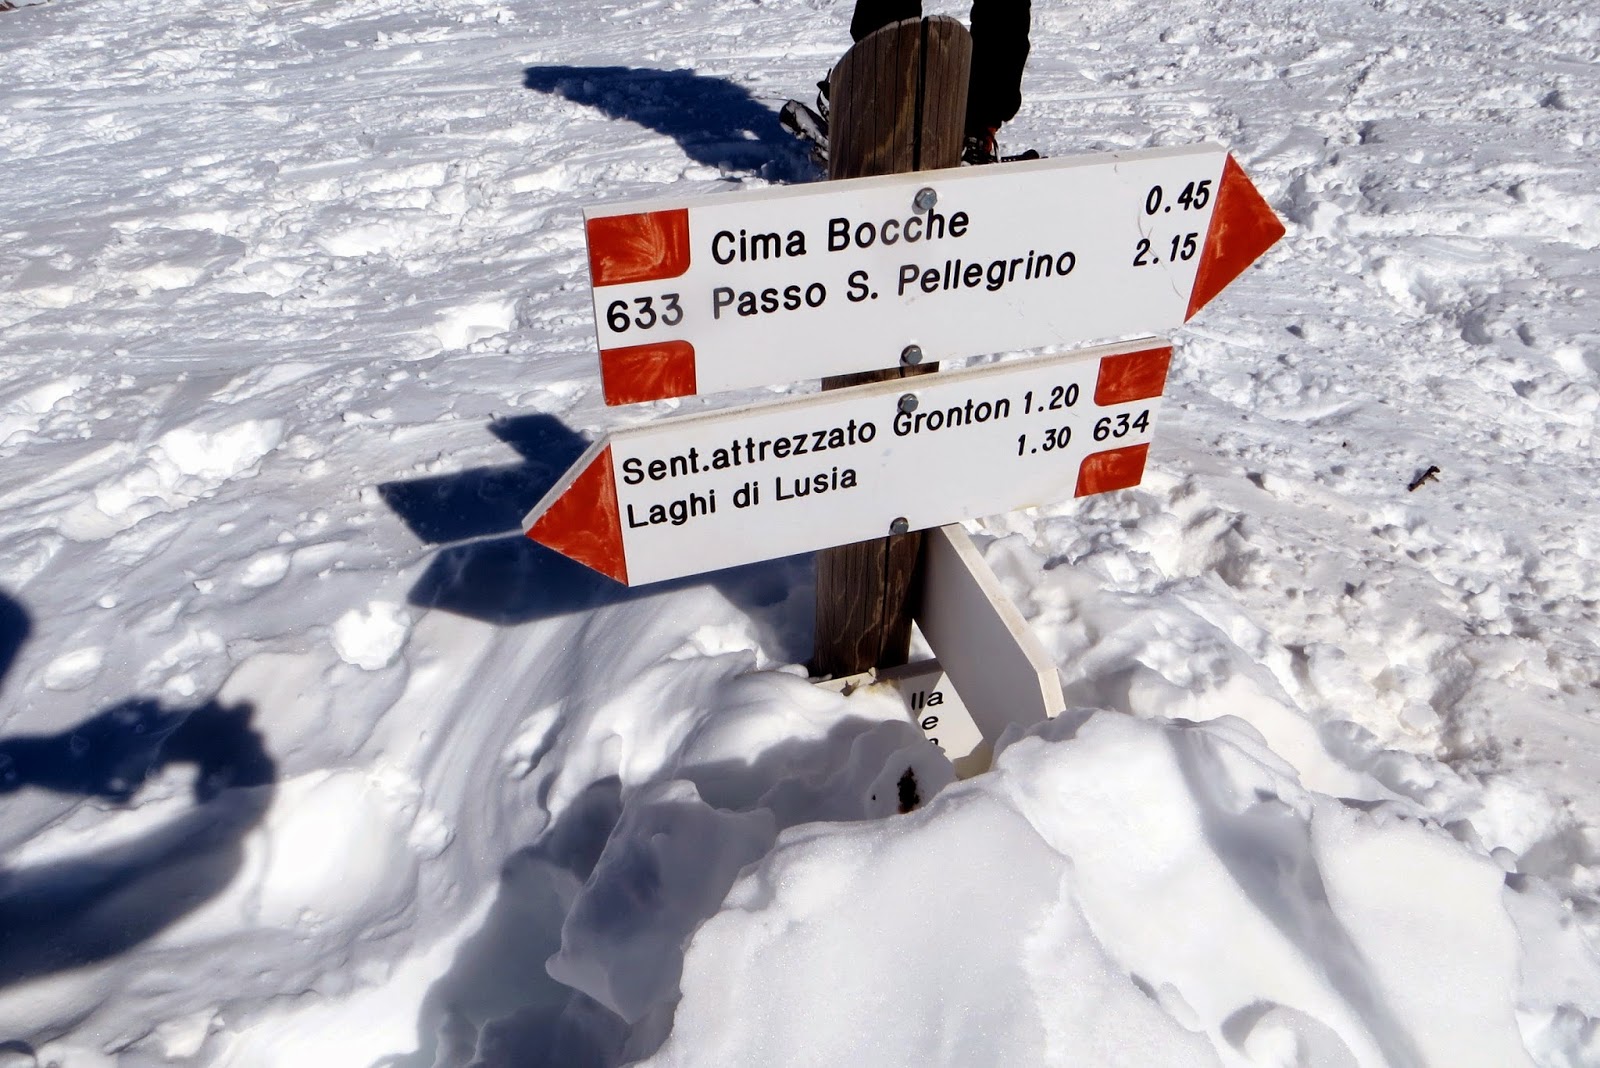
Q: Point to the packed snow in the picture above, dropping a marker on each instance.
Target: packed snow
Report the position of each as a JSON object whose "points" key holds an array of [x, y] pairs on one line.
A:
{"points": [[308, 757]]}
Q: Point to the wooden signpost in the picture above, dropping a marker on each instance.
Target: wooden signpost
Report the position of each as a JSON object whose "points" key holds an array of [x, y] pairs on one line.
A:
{"points": [[865, 281], [901, 98]]}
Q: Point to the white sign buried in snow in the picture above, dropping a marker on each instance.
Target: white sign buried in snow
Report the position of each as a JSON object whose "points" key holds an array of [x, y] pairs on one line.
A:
{"points": [[797, 283], [936, 707], [1005, 675], [704, 492]]}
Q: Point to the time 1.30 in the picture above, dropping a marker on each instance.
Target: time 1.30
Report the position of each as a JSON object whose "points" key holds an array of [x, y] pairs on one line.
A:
{"points": [[1106, 427]]}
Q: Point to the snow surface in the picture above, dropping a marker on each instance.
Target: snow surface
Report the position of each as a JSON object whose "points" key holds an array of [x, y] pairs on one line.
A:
{"points": [[308, 758]]}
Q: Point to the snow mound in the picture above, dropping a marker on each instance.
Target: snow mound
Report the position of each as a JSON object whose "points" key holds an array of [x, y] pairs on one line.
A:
{"points": [[308, 757], [1119, 892]]}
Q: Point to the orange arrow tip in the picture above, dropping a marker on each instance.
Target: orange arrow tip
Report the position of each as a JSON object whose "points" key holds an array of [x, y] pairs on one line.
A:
{"points": [[1243, 226], [583, 522]]}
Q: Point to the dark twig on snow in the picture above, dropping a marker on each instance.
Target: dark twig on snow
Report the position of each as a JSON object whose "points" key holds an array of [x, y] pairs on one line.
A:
{"points": [[1430, 475]]}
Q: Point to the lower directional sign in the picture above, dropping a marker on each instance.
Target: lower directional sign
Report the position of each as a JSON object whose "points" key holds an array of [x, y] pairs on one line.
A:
{"points": [[703, 492]]}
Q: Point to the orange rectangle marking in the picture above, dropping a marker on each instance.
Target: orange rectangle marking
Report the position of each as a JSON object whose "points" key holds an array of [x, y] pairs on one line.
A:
{"points": [[641, 247]]}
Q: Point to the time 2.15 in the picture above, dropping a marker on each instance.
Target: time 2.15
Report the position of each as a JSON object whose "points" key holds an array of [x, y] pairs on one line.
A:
{"points": [[1184, 247]]}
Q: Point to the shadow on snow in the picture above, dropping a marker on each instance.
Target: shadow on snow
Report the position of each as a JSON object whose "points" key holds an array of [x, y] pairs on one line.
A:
{"points": [[498, 1006], [486, 569], [716, 122], [619, 863], [62, 914]]}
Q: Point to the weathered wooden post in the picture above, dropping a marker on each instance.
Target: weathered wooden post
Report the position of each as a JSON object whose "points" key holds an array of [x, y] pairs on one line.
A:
{"points": [[899, 100]]}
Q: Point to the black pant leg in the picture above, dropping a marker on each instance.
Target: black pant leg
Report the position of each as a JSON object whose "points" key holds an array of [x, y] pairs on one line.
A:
{"points": [[876, 14], [999, 52]]}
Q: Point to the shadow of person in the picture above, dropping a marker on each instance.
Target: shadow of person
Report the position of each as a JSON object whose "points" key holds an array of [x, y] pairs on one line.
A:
{"points": [[66, 913], [486, 569], [715, 121], [14, 630]]}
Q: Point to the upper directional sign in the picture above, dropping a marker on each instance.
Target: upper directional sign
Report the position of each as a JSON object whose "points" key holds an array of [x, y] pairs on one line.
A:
{"points": [[697, 493], [807, 281]]}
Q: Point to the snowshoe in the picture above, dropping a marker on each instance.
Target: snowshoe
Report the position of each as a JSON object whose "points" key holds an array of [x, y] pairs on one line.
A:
{"points": [[978, 149], [800, 120]]}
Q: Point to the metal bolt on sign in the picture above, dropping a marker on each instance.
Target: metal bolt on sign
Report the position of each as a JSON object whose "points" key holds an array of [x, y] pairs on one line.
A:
{"points": [[908, 403], [911, 355], [899, 525], [925, 199]]}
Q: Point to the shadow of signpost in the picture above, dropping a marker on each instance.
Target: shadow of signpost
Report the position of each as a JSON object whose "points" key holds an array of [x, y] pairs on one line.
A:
{"points": [[717, 122], [487, 569], [497, 1005], [488, 500]]}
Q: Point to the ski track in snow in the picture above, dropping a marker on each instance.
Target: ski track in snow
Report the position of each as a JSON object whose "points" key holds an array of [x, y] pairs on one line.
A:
{"points": [[295, 326]]}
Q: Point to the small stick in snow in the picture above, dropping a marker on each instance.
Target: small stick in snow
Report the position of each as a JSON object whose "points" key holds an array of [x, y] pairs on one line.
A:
{"points": [[1430, 475], [910, 796]]}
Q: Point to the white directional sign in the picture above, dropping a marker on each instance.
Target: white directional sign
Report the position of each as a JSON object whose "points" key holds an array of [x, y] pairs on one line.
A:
{"points": [[698, 493], [802, 282]]}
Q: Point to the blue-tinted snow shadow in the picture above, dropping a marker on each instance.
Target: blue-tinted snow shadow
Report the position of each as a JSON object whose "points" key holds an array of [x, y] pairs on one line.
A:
{"points": [[497, 1006], [471, 505], [1267, 850], [14, 630], [486, 569], [619, 863], [63, 914], [66, 913], [715, 121]]}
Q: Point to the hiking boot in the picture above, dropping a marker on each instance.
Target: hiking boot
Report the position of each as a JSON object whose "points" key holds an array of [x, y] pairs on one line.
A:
{"points": [[980, 148]]}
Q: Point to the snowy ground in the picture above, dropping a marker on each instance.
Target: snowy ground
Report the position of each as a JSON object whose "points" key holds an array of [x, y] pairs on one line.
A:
{"points": [[308, 758]]}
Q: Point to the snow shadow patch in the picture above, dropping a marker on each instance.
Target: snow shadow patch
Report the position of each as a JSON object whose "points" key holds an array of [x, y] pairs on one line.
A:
{"points": [[511, 580], [70, 912], [487, 569], [488, 500], [716, 122], [497, 1005], [610, 893], [1268, 853], [14, 630]]}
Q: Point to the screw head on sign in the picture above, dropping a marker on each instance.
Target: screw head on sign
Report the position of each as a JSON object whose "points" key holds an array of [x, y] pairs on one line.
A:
{"points": [[908, 402], [925, 199], [899, 525], [911, 355]]}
